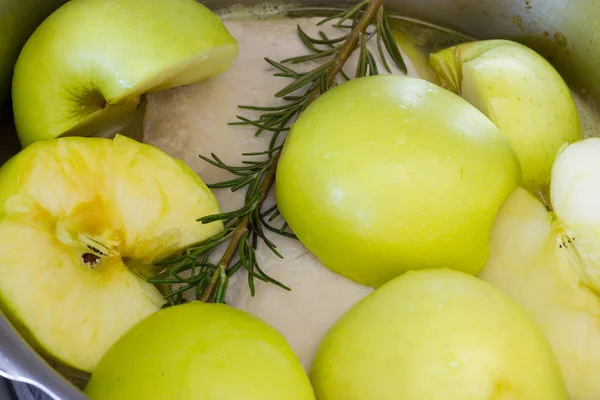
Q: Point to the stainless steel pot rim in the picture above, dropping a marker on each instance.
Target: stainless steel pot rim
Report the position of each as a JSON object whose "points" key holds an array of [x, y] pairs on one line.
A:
{"points": [[533, 23]]}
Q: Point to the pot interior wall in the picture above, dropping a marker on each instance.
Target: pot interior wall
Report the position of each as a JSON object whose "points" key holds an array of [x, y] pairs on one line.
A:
{"points": [[563, 31]]}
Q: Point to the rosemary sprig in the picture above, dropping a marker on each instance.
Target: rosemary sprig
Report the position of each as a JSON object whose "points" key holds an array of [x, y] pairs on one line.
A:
{"points": [[245, 227]]}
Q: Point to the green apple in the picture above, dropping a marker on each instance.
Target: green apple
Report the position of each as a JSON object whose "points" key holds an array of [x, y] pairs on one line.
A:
{"points": [[85, 67], [521, 93], [417, 56], [385, 174], [436, 334], [75, 213], [549, 263], [200, 351]]}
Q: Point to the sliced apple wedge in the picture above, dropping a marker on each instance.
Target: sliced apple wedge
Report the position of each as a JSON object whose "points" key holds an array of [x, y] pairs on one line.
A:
{"points": [[75, 213], [549, 263], [85, 67], [521, 93]]}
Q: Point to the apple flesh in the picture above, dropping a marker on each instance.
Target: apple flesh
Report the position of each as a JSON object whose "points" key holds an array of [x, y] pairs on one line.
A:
{"points": [[521, 93], [75, 213], [530, 265], [436, 334], [575, 195], [548, 262], [386, 174], [200, 351], [86, 66]]}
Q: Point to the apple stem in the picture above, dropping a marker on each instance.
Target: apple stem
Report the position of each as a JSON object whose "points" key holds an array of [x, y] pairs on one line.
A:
{"points": [[544, 195], [217, 280]]}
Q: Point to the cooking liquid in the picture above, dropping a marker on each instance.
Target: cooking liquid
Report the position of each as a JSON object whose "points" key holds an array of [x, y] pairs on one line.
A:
{"points": [[192, 120]]}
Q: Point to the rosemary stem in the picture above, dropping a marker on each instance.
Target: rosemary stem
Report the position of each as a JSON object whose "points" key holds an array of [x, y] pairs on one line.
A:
{"points": [[239, 232], [350, 45], [226, 259], [352, 42], [341, 58]]}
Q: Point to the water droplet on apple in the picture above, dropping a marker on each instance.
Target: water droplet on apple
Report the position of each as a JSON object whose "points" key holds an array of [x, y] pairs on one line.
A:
{"points": [[330, 154], [454, 366], [452, 362]]}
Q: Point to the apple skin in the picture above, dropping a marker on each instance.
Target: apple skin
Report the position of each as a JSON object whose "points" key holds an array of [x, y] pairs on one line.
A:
{"points": [[521, 93], [436, 334], [60, 199], [88, 63], [200, 351], [385, 174]]}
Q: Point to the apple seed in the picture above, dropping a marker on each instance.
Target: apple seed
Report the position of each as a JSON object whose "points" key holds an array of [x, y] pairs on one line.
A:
{"points": [[90, 259]]}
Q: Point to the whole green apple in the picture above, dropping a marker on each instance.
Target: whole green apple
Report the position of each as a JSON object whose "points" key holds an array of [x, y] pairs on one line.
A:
{"points": [[436, 335], [81, 221], [85, 67], [386, 174], [521, 93], [549, 263], [200, 351]]}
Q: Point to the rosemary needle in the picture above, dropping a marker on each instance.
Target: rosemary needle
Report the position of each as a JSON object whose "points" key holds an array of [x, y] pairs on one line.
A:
{"points": [[245, 227]]}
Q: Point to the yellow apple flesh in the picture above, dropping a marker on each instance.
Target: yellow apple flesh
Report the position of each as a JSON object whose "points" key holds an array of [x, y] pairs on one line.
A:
{"points": [[549, 263], [521, 93], [200, 351], [436, 335], [74, 213], [87, 65], [529, 263], [575, 196], [386, 174]]}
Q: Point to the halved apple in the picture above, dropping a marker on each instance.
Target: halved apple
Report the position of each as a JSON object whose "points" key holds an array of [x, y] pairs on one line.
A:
{"points": [[75, 213], [549, 263], [83, 70], [521, 93]]}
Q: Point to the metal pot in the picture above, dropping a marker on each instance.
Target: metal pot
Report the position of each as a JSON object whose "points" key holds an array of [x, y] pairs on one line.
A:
{"points": [[567, 32]]}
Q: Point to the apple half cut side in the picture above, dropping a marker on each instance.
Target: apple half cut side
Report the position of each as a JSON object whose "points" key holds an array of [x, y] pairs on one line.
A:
{"points": [[78, 217], [549, 262], [521, 93], [87, 65]]}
